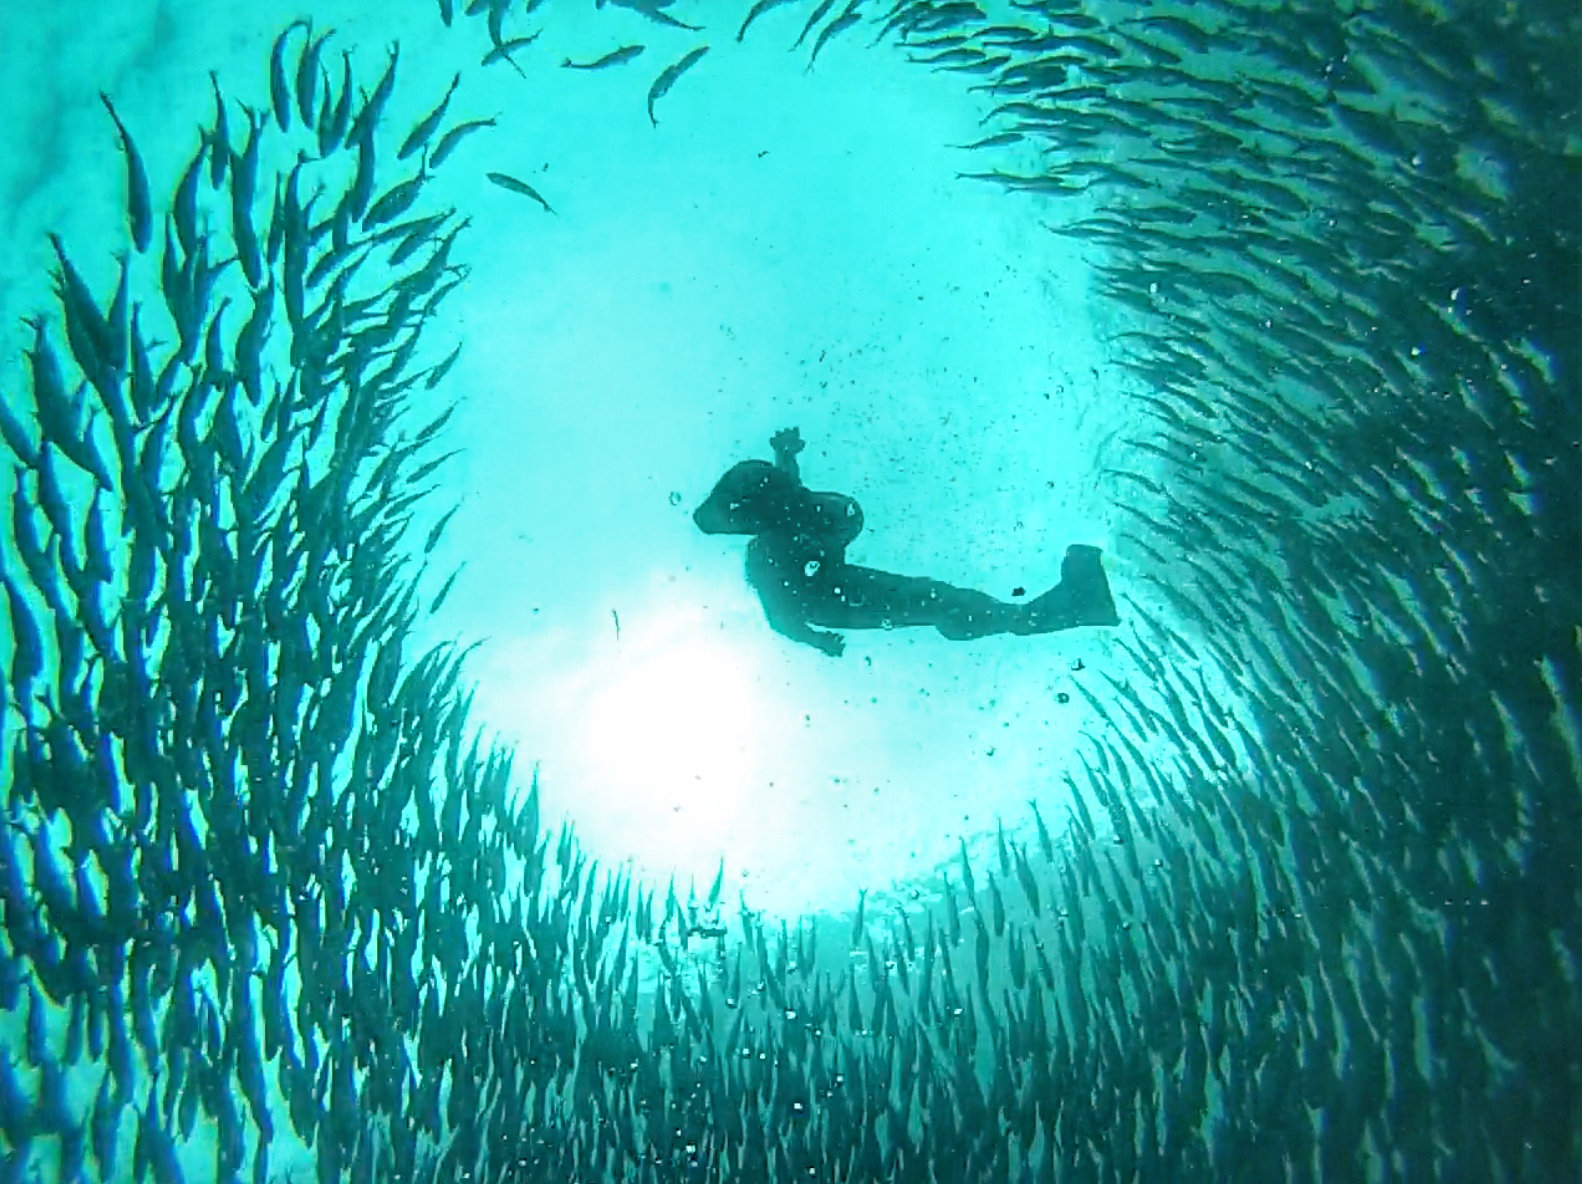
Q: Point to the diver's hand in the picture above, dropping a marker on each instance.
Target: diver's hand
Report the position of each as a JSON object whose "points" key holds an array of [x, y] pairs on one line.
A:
{"points": [[832, 644], [787, 440]]}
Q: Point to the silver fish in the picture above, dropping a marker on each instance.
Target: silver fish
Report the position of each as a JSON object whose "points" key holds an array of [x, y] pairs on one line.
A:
{"points": [[615, 57], [817, 15], [308, 75], [447, 143], [757, 10], [419, 135], [139, 210], [506, 181], [279, 88], [503, 50], [654, 11], [668, 77], [837, 26]]}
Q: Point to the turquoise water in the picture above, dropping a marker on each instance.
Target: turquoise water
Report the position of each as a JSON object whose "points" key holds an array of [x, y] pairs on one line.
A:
{"points": [[401, 787]]}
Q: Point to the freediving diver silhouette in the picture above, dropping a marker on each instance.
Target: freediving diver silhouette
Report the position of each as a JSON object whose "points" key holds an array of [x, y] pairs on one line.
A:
{"points": [[797, 564]]}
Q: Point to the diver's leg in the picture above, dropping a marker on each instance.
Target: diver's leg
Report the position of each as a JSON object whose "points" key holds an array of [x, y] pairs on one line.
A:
{"points": [[1081, 598], [853, 597], [962, 614]]}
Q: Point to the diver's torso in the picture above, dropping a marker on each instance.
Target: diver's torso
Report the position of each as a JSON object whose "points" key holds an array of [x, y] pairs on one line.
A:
{"points": [[800, 558], [827, 520]]}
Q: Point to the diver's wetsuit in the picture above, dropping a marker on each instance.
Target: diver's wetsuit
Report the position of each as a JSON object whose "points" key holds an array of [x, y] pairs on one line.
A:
{"points": [[797, 564]]}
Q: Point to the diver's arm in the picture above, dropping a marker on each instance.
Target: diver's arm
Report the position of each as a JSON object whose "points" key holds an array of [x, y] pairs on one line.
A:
{"points": [[787, 442], [797, 629]]}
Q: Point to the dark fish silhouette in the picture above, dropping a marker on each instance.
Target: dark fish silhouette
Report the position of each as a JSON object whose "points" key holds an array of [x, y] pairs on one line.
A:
{"points": [[139, 208], [514, 185], [615, 57], [668, 77]]}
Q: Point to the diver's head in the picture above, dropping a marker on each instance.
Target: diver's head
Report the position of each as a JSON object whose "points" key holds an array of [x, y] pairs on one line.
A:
{"points": [[747, 500]]}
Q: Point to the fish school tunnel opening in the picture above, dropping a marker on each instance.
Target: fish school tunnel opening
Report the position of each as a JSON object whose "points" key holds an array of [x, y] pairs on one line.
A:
{"points": [[401, 785]]}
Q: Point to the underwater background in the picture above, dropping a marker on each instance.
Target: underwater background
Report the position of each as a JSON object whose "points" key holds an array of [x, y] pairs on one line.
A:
{"points": [[399, 786]]}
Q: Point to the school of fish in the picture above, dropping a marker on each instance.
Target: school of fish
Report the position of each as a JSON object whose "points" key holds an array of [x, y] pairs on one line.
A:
{"points": [[272, 908]]}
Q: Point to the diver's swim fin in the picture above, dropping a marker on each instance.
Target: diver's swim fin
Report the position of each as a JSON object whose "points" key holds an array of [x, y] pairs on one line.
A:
{"points": [[1081, 598], [1082, 571]]}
